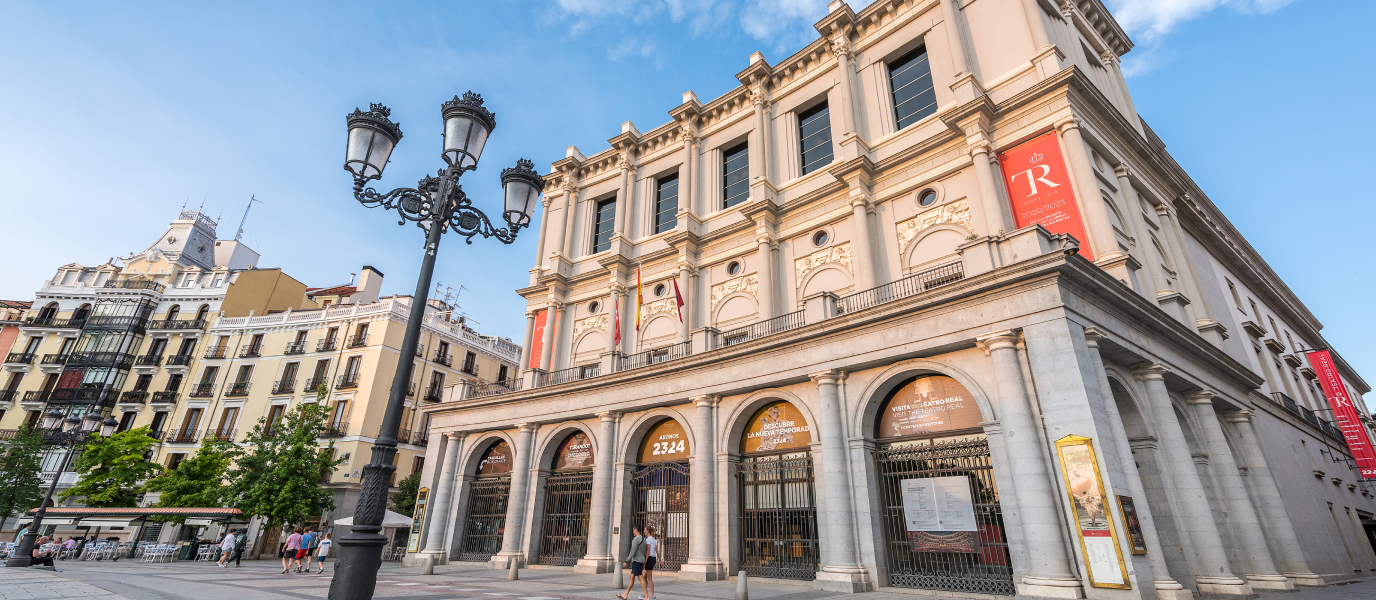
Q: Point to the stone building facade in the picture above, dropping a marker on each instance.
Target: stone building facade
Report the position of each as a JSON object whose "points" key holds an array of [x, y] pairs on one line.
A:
{"points": [[952, 319]]}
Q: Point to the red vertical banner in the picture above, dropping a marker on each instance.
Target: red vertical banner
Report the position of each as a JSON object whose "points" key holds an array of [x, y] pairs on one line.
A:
{"points": [[537, 338], [1348, 420], [1039, 189]]}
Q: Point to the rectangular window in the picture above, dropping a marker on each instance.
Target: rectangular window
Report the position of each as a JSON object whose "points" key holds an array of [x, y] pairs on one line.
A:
{"points": [[245, 374], [274, 415], [735, 168], [604, 225], [666, 203], [159, 420], [470, 363], [914, 97], [501, 373], [209, 374], [1237, 300], [814, 134], [351, 368], [174, 382]]}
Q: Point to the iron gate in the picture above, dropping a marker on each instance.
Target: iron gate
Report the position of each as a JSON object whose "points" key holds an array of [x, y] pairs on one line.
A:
{"points": [[564, 531], [661, 501], [954, 561], [778, 525], [486, 519]]}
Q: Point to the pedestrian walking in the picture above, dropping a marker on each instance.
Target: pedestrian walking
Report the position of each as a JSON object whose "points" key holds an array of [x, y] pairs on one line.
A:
{"points": [[635, 559], [226, 549], [240, 543], [323, 552], [308, 542], [651, 557], [292, 551]]}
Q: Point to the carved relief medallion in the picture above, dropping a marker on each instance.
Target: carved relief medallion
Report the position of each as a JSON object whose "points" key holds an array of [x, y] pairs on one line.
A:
{"points": [[838, 254], [744, 283], [957, 213], [589, 323]]}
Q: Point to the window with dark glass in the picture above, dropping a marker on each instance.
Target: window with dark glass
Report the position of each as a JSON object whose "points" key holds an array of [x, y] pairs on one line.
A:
{"points": [[735, 175], [666, 203], [914, 97], [602, 231], [814, 131]]}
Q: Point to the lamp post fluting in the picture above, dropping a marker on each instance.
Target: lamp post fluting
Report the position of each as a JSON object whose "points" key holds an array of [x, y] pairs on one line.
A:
{"points": [[77, 433], [436, 205]]}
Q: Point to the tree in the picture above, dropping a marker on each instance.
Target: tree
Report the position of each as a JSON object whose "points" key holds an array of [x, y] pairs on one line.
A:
{"points": [[404, 499], [278, 475], [197, 482], [21, 460], [112, 470]]}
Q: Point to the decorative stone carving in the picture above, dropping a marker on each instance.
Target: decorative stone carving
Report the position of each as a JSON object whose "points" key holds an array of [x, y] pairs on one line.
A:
{"points": [[663, 305], [840, 46], [838, 254], [744, 283], [757, 96], [589, 323], [688, 133], [624, 163], [957, 213]]}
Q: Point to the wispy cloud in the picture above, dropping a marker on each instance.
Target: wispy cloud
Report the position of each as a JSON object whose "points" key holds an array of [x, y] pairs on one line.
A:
{"points": [[784, 25], [1148, 22]]}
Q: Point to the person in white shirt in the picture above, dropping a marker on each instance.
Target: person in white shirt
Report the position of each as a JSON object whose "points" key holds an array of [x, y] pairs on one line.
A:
{"points": [[651, 558], [226, 548], [323, 552]]}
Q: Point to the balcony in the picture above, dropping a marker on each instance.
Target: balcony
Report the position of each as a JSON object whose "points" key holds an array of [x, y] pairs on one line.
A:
{"points": [[347, 381], [485, 389], [433, 393], [165, 397], [567, 375], [19, 358], [182, 436], [148, 360], [157, 435], [285, 386], [37, 396], [223, 435], [54, 359], [335, 429], [118, 323], [202, 390], [421, 438], [178, 324], [130, 284], [217, 352], [251, 351], [117, 360], [237, 388], [133, 397], [179, 360], [80, 395], [470, 368], [444, 359], [403, 435], [8, 395], [295, 349], [55, 323], [358, 341], [411, 389], [313, 384], [1310, 417], [326, 345], [653, 356], [907, 286], [64, 479]]}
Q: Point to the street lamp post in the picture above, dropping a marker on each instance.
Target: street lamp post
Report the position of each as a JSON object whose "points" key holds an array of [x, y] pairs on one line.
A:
{"points": [[436, 204], [77, 432]]}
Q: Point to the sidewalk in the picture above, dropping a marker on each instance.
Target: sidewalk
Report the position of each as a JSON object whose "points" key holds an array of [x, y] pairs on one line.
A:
{"points": [[38, 584]]}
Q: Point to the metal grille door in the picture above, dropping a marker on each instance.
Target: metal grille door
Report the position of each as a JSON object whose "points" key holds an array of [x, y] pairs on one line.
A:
{"points": [[661, 501], [486, 520], [977, 562], [564, 531], [778, 526]]}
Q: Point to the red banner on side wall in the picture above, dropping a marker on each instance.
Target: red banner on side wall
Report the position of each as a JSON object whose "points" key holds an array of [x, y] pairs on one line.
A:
{"points": [[1353, 431], [537, 338], [1039, 188]]}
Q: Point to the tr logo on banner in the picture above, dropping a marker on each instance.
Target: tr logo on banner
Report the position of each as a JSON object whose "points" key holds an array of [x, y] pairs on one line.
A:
{"points": [[1354, 432], [1038, 189]]}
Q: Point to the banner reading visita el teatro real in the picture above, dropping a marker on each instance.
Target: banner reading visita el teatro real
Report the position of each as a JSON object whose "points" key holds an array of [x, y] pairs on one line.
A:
{"points": [[1348, 420], [1039, 189]]}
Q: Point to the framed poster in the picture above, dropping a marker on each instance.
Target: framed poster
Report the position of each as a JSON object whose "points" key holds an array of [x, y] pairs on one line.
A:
{"points": [[939, 513], [418, 519], [1131, 525], [1098, 543]]}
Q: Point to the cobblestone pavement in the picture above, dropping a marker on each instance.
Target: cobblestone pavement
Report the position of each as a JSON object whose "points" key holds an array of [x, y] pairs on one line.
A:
{"points": [[262, 580]]}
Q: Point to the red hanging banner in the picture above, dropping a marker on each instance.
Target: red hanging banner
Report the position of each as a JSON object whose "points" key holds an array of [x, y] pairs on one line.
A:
{"points": [[1353, 431], [537, 337], [1039, 189]]}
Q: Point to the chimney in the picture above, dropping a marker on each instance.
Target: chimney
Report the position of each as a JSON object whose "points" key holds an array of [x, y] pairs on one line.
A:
{"points": [[369, 285]]}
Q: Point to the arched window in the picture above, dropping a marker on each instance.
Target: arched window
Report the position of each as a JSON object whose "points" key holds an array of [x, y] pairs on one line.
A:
{"points": [[173, 312], [48, 312], [203, 312], [82, 312]]}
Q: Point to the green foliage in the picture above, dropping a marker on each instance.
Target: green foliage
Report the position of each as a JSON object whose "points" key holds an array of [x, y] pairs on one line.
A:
{"points": [[404, 499], [21, 460], [197, 482], [112, 470], [278, 474]]}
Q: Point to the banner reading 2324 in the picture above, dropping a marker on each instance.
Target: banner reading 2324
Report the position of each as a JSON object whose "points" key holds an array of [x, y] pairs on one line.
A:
{"points": [[1039, 188]]}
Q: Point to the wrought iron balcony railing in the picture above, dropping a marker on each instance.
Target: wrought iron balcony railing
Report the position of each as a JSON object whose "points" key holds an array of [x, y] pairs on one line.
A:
{"points": [[567, 375], [313, 384], [133, 397], [411, 389], [325, 345], [179, 360], [202, 390], [358, 340], [444, 359], [907, 286], [216, 351], [118, 323], [149, 360], [335, 429], [177, 324], [182, 436], [223, 435], [19, 358], [55, 323], [130, 284], [295, 349], [284, 386], [37, 396], [485, 389], [250, 351], [346, 381], [470, 368], [54, 359], [653, 356], [8, 395], [766, 328], [432, 393], [237, 388], [164, 397]]}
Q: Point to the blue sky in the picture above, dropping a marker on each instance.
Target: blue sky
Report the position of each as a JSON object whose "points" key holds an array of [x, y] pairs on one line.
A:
{"points": [[120, 112]]}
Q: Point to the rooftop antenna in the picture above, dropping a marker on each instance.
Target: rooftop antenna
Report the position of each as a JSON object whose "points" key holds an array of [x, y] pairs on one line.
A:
{"points": [[188, 199], [251, 200]]}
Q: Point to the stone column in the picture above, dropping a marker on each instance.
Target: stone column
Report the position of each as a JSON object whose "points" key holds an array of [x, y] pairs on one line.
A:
{"points": [[1276, 518], [1131, 220], [613, 292], [1097, 224], [764, 290], [517, 501], [863, 256], [528, 345], [686, 200], [564, 219], [843, 571], [600, 558], [703, 563], [1167, 588], [1185, 264], [1359, 533], [540, 242], [685, 287], [759, 138], [1034, 23], [572, 204], [1048, 569], [992, 205], [623, 197], [547, 340], [1246, 527], [444, 494], [840, 46], [1181, 479]]}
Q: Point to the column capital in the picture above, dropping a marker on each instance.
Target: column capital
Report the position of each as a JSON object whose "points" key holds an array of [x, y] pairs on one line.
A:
{"points": [[1122, 171], [608, 415], [1200, 396], [624, 162], [824, 377], [527, 427], [1150, 371], [455, 436], [705, 400], [688, 133], [1067, 124], [840, 45], [999, 340], [1094, 335], [1240, 415]]}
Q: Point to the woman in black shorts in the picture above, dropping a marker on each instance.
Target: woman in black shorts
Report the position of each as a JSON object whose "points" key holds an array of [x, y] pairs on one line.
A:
{"points": [[651, 557]]}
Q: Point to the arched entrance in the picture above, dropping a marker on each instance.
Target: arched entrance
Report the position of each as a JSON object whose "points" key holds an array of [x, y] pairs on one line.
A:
{"points": [[487, 497], [943, 527], [778, 507], [660, 491], [568, 499]]}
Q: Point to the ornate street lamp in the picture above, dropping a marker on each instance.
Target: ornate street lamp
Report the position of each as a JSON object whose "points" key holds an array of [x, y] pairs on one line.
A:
{"points": [[437, 204], [76, 433]]}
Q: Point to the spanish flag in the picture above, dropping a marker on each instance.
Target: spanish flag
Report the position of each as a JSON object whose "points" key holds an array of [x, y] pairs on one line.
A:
{"points": [[678, 299], [639, 296]]}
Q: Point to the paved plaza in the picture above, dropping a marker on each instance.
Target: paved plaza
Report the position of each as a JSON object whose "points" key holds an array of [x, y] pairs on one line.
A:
{"points": [[262, 580]]}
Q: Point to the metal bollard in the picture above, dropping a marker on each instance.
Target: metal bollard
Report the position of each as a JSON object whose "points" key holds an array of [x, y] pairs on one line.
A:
{"points": [[617, 581], [742, 591], [511, 573], [429, 566]]}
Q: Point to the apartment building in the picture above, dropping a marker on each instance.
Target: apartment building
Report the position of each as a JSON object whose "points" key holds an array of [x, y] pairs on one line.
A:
{"points": [[927, 305]]}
